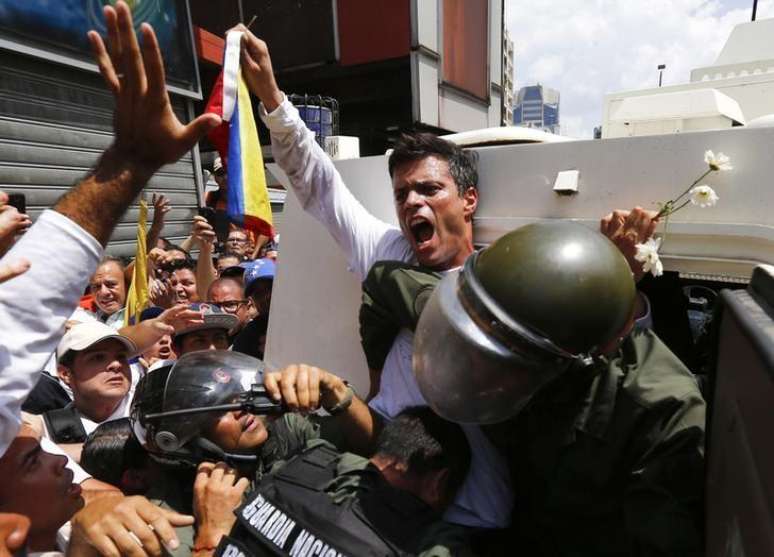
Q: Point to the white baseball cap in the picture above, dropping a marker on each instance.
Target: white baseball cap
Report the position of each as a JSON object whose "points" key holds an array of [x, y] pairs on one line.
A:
{"points": [[84, 335]]}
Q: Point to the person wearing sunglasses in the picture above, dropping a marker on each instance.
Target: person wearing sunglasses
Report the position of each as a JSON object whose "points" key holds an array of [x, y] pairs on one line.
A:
{"points": [[229, 294]]}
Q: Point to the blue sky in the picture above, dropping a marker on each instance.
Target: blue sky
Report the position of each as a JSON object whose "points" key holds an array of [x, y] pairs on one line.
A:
{"points": [[587, 48]]}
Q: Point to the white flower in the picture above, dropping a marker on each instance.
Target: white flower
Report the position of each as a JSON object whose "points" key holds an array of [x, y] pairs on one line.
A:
{"points": [[647, 254], [703, 196], [719, 162]]}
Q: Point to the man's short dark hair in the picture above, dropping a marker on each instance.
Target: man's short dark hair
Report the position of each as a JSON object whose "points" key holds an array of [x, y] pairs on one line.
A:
{"points": [[178, 264], [417, 146], [426, 442], [67, 358]]}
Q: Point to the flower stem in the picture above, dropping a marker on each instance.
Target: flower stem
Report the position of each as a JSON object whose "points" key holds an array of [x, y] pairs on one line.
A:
{"points": [[667, 210]]}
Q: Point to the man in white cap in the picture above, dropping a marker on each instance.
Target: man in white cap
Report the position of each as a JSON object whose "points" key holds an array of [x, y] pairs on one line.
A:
{"points": [[93, 360]]}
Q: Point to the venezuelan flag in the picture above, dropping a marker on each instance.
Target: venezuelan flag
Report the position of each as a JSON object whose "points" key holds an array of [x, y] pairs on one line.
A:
{"points": [[237, 142], [137, 298]]}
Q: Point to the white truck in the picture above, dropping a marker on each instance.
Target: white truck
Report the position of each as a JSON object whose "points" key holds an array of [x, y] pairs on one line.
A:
{"points": [[315, 306]]}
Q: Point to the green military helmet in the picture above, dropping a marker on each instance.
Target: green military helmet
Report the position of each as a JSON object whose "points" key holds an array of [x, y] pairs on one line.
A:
{"points": [[563, 280], [538, 303]]}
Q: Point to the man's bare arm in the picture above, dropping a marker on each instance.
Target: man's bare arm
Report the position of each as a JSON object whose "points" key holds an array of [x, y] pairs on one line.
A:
{"points": [[148, 134]]}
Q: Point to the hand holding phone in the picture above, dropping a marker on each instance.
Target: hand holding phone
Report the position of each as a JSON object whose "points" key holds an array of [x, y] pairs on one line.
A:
{"points": [[218, 220], [18, 200], [13, 222], [203, 225]]}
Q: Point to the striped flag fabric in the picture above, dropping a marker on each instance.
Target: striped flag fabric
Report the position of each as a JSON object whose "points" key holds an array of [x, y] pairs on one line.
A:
{"points": [[137, 297], [236, 140]]}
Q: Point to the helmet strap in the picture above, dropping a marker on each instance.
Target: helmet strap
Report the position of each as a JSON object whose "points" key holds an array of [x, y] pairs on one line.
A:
{"points": [[206, 449]]}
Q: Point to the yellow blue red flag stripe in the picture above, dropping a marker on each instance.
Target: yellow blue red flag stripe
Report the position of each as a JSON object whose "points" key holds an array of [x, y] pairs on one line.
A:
{"points": [[237, 142]]}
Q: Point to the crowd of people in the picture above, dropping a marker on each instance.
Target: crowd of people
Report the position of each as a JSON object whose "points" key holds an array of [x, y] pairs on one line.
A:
{"points": [[520, 401]]}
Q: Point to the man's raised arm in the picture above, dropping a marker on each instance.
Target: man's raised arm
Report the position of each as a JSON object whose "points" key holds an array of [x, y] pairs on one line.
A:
{"points": [[148, 135], [313, 176], [65, 245]]}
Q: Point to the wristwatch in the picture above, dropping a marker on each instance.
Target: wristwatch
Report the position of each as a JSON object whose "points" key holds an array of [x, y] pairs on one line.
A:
{"points": [[345, 403]]}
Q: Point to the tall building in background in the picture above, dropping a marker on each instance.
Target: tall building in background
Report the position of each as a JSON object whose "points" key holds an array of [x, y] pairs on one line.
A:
{"points": [[507, 78], [537, 106], [392, 65]]}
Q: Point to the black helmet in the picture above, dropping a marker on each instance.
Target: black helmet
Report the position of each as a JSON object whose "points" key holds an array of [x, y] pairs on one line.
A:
{"points": [[539, 301], [172, 405]]}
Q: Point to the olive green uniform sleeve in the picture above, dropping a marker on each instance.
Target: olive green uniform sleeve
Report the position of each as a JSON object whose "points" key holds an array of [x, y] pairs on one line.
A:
{"points": [[394, 294], [612, 465], [288, 436], [166, 495], [663, 501]]}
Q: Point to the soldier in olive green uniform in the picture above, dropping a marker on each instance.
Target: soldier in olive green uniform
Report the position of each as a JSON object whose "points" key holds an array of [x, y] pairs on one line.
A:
{"points": [[603, 430], [180, 415], [324, 502]]}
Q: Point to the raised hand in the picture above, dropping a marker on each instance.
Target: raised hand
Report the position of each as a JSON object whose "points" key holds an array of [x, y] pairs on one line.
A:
{"points": [[218, 491], [147, 131], [12, 223], [202, 231], [626, 229], [161, 206], [256, 67], [305, 388]]}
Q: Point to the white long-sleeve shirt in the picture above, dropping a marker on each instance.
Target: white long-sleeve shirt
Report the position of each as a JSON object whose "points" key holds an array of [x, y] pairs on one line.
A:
{"points": [[35, 306], [485, 499]]}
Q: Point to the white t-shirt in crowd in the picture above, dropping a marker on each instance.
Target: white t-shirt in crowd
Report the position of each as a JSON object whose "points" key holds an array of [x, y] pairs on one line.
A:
{"points": [[121, 411], [35, 306]]}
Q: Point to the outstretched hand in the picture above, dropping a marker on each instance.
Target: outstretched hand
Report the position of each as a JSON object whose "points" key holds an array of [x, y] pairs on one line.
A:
{"points": [[177, 318], [117, 525], [147, 131], [161, 206], [626, 229]]}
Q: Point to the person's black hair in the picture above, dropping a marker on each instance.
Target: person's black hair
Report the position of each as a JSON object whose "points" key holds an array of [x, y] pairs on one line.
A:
{"points": [[176, 265], [417, 146], [426, 442], [67, 358], [110, 450], [188, 259]]}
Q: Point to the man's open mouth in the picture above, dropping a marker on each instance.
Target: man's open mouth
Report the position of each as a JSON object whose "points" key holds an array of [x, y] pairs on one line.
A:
{"points": [[422, 230]]}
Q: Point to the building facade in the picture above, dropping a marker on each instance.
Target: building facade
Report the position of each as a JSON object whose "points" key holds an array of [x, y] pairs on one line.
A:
{"points": [[508, 77], [537, 106], [392, 65], [736, 90]]}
